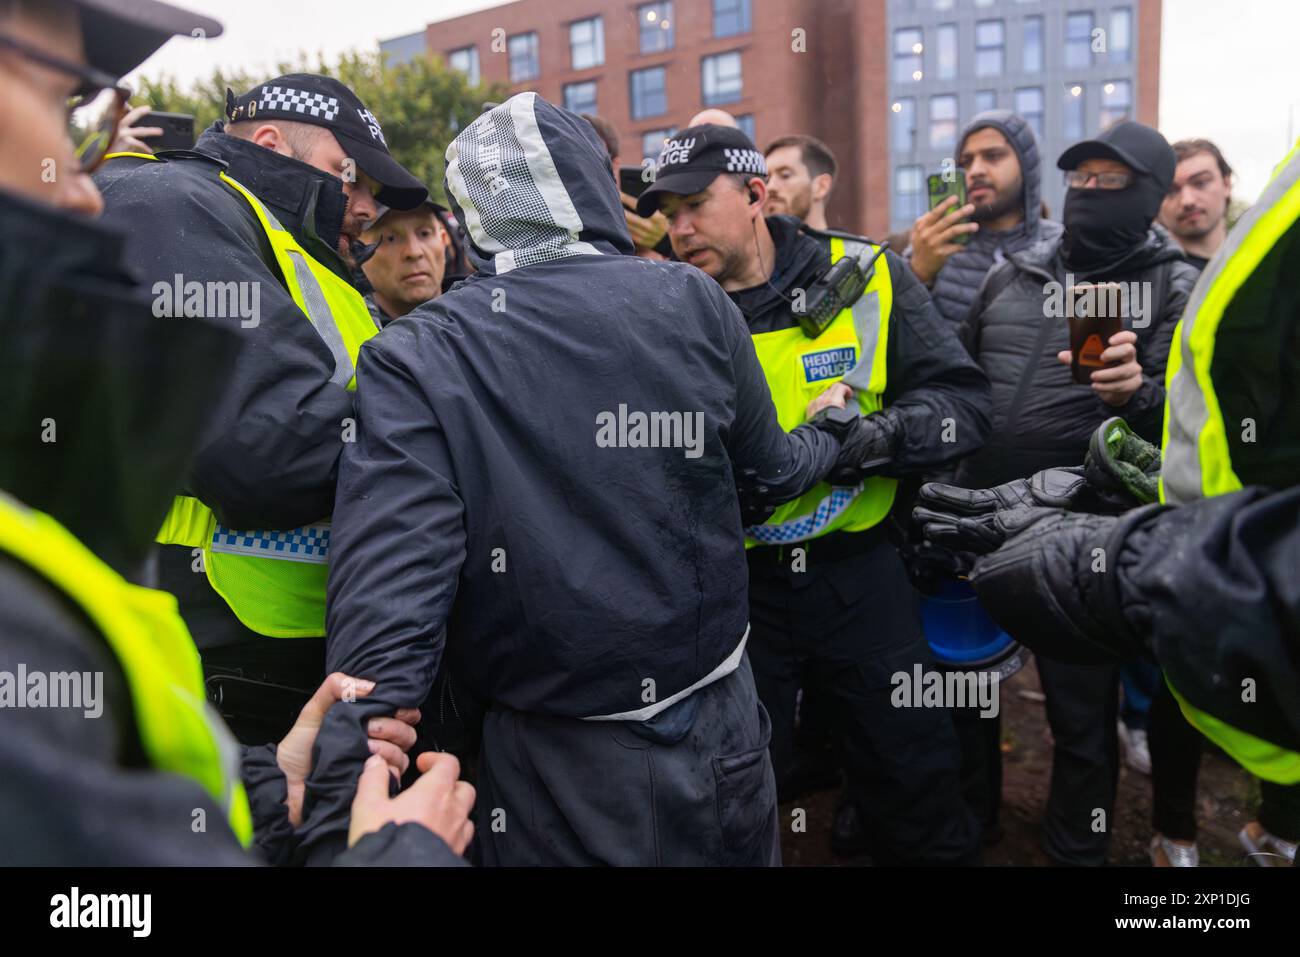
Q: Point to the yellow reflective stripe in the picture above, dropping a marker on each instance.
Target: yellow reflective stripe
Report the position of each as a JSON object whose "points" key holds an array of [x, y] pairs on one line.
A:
{"points": [[1259, 757], [1197, 460], [188, 522], [143, 156]]}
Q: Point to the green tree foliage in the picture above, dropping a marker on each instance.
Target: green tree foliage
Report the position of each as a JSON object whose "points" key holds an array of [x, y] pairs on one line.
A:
{"points": [[421, 105]]}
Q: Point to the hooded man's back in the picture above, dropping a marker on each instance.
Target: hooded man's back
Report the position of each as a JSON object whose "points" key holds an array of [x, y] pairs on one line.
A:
{"points": [[554, 446]]}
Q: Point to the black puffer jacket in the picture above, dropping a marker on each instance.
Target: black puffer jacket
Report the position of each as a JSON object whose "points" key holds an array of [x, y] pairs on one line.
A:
{"points": [[960, 278], [1041, 418]]}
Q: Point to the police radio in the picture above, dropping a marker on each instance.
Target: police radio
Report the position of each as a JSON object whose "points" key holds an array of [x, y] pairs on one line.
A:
{"points": [[838, 288]]}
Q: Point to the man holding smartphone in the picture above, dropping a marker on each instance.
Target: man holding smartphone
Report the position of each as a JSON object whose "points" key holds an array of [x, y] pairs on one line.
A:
{"points": [[999, 156], [1042, 418]]}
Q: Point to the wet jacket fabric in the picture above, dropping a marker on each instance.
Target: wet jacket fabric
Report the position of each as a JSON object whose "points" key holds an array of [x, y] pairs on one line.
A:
{"points": [[959, 279], [1041, 418], [127, 392], [565, 568], [930, 376], [269, 458]]}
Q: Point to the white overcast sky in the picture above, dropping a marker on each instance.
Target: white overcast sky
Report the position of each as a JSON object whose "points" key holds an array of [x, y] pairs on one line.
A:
{"points": [[1229, 71]]}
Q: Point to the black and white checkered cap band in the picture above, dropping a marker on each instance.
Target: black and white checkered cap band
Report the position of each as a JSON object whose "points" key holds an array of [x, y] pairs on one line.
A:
{"points": [[289, 100], [745, 161]]}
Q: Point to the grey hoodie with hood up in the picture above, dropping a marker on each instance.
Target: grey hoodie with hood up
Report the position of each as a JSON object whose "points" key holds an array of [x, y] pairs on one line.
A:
{"points": [[501, 503], [959, 279]]}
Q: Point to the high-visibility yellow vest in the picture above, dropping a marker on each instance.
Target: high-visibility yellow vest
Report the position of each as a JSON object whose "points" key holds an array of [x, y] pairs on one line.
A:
{"points": [[799, 369], [274, 580], [179, 730], [1197, 458]]}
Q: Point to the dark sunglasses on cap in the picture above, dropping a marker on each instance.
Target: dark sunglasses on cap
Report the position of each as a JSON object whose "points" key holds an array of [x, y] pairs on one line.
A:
{"points": [[95, 108]]}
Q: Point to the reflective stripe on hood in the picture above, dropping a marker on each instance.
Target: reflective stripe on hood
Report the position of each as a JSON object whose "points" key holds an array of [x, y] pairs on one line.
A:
{"points": [[531, 184]]}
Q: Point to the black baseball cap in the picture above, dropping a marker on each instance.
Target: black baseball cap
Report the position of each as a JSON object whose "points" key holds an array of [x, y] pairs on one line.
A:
{"points": [[324, 101], [1133, 144], [119, 35], [695, 157], [383, 211]]}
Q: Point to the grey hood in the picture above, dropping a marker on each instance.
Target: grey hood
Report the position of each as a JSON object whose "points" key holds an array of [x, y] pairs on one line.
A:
{"points": [[531, 183], [957, 282]]}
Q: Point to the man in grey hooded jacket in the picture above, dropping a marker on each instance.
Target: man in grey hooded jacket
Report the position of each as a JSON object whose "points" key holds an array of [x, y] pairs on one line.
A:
{"points": [[1000, 157]]}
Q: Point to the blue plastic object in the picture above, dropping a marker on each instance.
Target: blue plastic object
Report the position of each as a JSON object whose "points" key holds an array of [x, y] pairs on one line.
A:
{"points": [[959, 630]]}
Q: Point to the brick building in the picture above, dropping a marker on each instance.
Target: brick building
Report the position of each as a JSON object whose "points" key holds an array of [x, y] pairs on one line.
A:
{"points": [[826, 67]]}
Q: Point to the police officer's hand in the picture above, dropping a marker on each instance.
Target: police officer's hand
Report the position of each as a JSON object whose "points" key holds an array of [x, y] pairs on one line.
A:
{"points": [[837, 396], [436, 800], [390, 738], [1122, 376], [933, 237], [977, 520]]}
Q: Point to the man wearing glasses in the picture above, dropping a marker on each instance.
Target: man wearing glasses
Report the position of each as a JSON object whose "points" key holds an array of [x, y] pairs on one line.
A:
{"points": [[1041, 418]]}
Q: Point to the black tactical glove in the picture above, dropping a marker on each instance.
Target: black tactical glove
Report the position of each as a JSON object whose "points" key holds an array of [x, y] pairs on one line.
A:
{"points": [[971, 520], [866, 446], [1053, 585]]}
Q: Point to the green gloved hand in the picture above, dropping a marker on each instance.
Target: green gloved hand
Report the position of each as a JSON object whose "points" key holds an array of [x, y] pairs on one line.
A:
{"points": [[1123, 469]]}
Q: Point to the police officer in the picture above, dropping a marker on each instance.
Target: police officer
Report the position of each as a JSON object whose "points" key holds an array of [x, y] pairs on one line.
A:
{"points": [[108, 752], [251, 230], [827, 590], [1205, 579]]}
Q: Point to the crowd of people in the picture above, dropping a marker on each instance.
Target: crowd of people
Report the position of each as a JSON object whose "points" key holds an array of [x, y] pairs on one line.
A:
{"points": [[592, 502]]}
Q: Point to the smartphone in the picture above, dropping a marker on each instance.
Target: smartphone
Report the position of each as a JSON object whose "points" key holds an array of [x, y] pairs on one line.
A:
{"points": [[940, 187], [177, 131], [631, 180], [1097, 314]]}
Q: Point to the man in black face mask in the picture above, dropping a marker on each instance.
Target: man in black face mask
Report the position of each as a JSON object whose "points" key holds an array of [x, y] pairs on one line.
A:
{"points": [[1019, 332]]}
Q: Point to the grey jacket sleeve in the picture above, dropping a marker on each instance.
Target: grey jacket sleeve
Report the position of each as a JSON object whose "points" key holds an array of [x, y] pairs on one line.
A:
{"points": [[396, 549], [269, 456], [787, 464], [937, 397]]}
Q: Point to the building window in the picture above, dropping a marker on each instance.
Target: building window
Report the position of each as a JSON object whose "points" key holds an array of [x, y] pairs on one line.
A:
{"points": [[1074, 111], [986, 100], [909, 194], [1120, 42], [990, 48], [580, 97], [1029, 104], [907, 54], [946, 58], [465, 60], [746, 124], [523, 57], [655, 23], [1032, 51], [1078, 40], [903, 132], [943, 122], [730, 17], [721, 80], [983, 3], [943, 4], [1116, 102], [649, 96], [587, 43], [652, 142]]}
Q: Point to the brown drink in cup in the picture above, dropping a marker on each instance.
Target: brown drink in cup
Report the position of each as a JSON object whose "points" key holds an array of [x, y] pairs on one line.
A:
{"points": [[1097, 315]]}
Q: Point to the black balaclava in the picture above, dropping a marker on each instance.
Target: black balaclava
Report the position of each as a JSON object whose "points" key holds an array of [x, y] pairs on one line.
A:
{"points": [[1102, 225]]}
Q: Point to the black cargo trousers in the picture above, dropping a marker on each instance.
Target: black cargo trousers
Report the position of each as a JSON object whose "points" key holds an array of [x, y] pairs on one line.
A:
{"points": [[695, 787], [849, 621]]}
